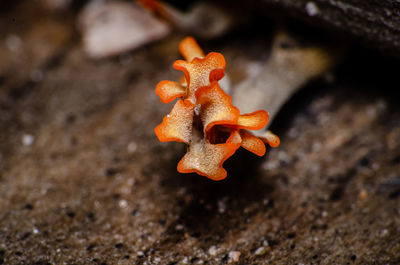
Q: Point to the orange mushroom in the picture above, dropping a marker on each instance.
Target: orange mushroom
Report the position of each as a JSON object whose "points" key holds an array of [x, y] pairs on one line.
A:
{"points": [[204, 117]]}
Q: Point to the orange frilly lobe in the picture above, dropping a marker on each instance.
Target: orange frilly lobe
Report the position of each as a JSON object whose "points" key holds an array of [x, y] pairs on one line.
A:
{"points": [[204, 117]]}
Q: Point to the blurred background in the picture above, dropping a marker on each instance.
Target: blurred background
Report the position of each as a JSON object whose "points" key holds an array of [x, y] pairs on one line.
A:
{"points": [[84, 180]]}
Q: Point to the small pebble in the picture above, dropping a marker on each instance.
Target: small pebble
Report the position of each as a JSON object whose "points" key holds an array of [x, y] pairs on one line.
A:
{"points": [[112, 28], [35, 230]]}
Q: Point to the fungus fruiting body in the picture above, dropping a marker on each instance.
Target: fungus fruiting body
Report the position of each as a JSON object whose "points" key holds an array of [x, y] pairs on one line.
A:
{"points": [[204, 117], [202, 19], [292, 63]]}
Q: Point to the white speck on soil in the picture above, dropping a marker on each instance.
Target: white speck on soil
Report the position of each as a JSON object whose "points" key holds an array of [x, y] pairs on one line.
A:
{"points": [[123, 203], [212, 250], [312, 9], [179, 227], [131, 181], [28, 139], [35, 231], [185, 260], [221, 206]]}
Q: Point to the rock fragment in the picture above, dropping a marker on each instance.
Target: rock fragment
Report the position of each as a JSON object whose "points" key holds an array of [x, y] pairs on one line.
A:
{"points": [[112, 28]]}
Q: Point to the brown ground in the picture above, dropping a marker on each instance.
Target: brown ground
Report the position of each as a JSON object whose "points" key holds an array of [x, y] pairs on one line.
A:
{"points": [[96, 187]]}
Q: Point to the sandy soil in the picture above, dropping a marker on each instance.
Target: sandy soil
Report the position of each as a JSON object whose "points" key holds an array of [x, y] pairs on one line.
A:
{"points": [[83, 179]]}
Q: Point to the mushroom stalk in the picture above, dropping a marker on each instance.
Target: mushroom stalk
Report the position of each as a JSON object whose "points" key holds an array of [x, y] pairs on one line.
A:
{"points": [[289, 67]]}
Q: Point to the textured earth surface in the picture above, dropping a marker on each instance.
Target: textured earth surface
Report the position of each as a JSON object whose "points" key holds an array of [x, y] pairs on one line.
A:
{"points": [[83, 179]]}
